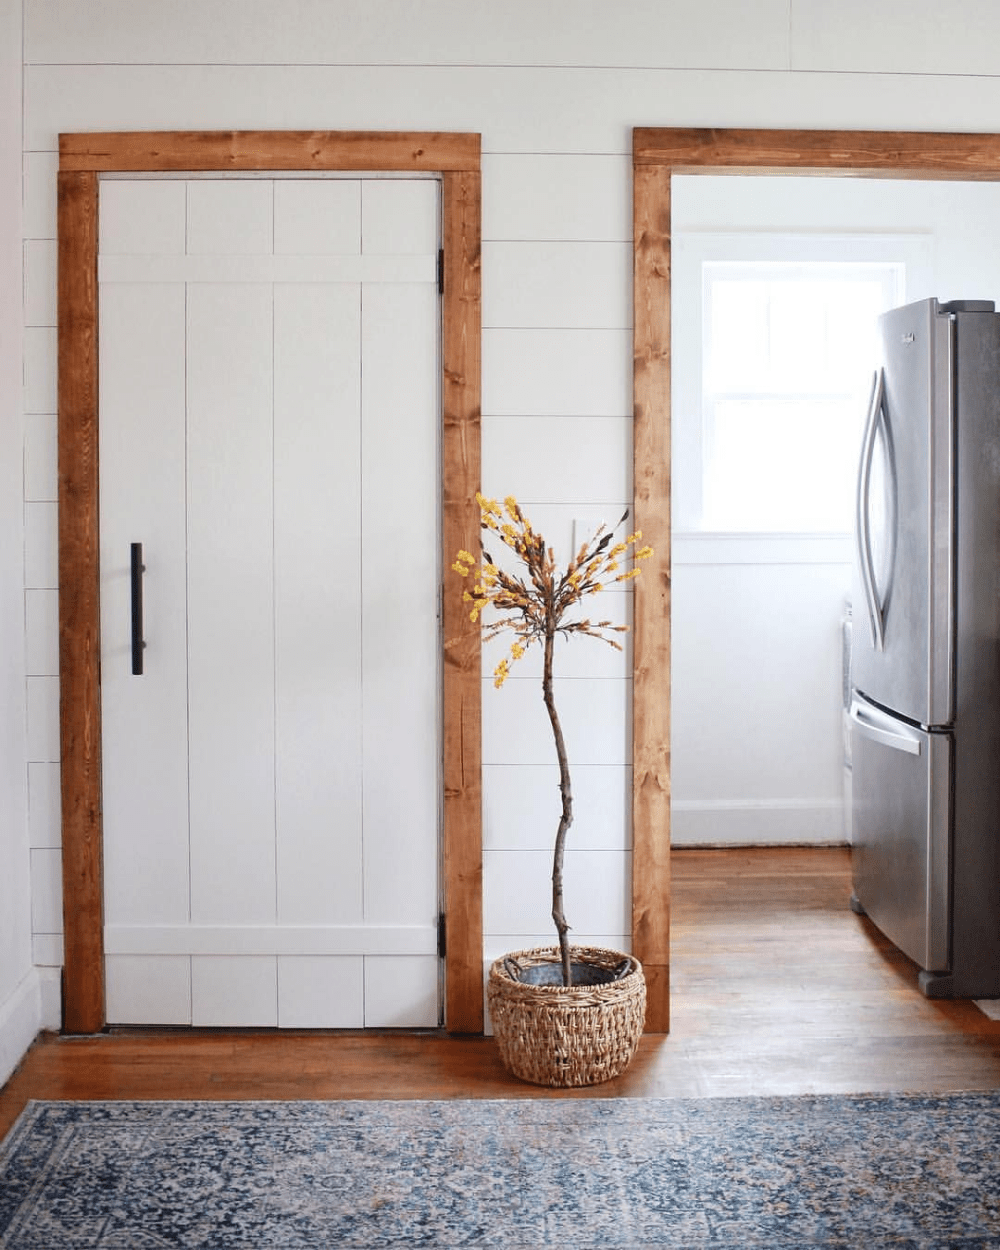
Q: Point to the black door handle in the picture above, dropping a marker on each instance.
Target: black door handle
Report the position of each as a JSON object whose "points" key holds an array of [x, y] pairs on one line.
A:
{"points": [[138, 642]]}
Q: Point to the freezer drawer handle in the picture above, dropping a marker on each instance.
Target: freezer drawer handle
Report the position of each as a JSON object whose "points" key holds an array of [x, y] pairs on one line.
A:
{"points": [[909, 743], [863, 527], [138, 643]]}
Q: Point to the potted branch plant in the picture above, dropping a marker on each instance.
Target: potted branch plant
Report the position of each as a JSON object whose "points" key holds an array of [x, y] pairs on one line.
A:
{"points": [[565, 1015]]}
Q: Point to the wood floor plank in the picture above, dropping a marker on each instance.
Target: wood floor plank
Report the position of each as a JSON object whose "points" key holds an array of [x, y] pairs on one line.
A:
{"points": [[779, 988]]}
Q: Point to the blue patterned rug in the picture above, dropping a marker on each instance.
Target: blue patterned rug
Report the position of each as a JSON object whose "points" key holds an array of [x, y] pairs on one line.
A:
{"points": [[852, 1172]]}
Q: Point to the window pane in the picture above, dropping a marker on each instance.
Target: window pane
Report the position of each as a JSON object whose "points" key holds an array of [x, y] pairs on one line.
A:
{"points": [[789, 349], [777, 464], [737, 336], [798, 336], [852, 312]]}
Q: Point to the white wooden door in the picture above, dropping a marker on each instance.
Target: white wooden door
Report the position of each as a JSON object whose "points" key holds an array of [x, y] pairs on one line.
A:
{"points": [[269, 417]]}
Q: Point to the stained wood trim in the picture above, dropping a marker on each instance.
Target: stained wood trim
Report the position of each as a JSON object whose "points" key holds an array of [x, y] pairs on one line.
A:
{"points": [[862, 153], [461, 350], [82, 157], [137, 151], [651, 623], [657, 154], [79, 614]]}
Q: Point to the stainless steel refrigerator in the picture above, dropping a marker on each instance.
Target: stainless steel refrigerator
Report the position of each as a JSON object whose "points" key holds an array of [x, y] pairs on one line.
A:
{"points": [[925, 664]]}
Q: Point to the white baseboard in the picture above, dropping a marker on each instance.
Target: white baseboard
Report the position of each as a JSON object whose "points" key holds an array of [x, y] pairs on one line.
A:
{"points": [[20, 1022], [757, 822]]}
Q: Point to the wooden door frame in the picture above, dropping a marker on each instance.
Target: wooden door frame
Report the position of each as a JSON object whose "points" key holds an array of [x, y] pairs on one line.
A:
{"points": [[657, 153], [82, 159]]}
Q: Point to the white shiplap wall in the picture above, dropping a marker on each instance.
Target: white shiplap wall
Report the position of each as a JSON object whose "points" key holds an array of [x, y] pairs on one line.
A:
{"points": [[20, 1006], [554, 88]]}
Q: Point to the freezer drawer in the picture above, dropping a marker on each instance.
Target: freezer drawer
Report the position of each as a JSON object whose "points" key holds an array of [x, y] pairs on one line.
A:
{"points": [[901, 831]]}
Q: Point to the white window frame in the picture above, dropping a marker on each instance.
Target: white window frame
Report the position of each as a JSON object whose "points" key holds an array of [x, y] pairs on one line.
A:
{"points": [[913, 252]]}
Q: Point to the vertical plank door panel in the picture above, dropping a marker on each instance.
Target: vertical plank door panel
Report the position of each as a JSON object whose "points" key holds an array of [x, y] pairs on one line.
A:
{"points": [[228, 217], [234, 991], [399, 217], [317, 483], [143, 218], [144, 988], [317, 217], [145, 765], [400, 571], [321, 991], [401, 991], [400, 579], [230, 604]]}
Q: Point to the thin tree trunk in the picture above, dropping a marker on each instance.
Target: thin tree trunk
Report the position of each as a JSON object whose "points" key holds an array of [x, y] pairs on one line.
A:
{"points": [[562, 928]]}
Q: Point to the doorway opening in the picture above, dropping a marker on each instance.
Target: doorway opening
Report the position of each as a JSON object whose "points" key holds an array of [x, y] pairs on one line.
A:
{"points": [[776, 289], [658, 155]]}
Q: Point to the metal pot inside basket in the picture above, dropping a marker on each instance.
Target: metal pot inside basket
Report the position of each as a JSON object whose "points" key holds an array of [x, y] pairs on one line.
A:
{"points": [[551, 973]]}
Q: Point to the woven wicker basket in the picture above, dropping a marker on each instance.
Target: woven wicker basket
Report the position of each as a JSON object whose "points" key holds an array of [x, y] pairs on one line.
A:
{"points": [[554, 1035]]}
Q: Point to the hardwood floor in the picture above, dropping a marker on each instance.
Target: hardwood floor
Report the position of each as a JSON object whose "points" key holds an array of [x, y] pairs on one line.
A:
{"points": [[777, 988]]}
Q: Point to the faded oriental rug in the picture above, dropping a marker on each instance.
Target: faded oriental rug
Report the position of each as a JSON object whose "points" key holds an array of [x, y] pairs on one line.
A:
{"points": [[860, 1171]]}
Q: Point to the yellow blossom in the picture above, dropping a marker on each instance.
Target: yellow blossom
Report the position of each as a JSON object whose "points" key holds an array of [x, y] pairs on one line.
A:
{"points": [[533, 604], [487, 506]]}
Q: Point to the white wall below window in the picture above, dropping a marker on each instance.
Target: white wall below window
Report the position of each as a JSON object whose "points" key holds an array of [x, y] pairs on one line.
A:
{"points": [[756, 685]]}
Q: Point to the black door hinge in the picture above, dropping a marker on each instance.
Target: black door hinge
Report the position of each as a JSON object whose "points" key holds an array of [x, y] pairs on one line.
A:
{"points": [[442, 936], [440, 271]]}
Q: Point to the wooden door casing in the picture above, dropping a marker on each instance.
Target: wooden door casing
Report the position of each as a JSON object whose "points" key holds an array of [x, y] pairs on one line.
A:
{"points": [[657, 154], [82, 159]]}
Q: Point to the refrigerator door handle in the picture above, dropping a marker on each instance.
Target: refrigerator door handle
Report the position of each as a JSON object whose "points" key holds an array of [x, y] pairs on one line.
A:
{"points": [[872, 726], [863, 526]]}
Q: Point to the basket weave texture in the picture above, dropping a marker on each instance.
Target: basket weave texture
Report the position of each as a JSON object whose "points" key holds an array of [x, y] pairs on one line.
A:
{"points": [[558, 1035]]}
